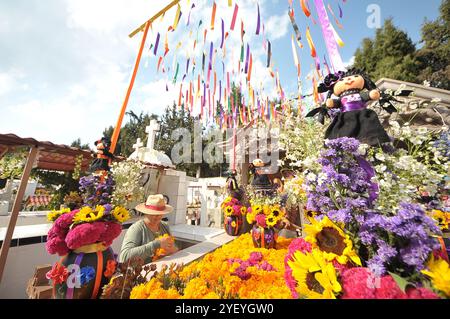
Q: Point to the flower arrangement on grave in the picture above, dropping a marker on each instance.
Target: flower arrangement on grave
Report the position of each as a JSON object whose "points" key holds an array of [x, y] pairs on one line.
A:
{"points": [[234, 212], [264, 219], [359, 245], [235, 270], [83, 237]]}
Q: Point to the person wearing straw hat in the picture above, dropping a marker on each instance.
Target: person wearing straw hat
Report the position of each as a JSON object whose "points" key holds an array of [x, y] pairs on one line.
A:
{"points": [[143, 238]]}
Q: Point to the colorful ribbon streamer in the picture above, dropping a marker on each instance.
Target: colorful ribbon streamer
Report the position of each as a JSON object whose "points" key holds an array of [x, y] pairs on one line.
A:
{"points": [[294, 25], [294, 53], [177, 17], [330, 41], [258, 23], [311, 43], [269, 53], [233, 21], [223, 34], [337, 37], [155, 51], [305, 8], [213, 15]]}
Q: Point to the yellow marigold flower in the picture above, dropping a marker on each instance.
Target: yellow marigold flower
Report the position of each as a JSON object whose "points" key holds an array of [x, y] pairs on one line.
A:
{"points": [[332, 241], [316, 277], [439, 272], [121, 214]]}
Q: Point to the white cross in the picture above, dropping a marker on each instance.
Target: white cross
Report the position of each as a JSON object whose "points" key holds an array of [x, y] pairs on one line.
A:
{"points": [[138, 145], [151, 131]]}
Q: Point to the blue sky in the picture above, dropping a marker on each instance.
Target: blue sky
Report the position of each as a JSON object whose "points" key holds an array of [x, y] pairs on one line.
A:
{"points": [[66, 63]]}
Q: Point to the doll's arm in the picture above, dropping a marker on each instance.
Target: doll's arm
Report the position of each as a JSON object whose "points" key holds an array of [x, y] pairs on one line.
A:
{"points": [[373, 95], [333, 103]]}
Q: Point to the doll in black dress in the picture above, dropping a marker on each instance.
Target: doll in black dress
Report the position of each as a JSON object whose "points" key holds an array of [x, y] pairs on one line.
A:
{"points": [[104, 156], [353, 90]]}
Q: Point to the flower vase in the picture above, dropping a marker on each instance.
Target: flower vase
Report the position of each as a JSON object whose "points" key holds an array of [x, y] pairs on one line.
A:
{"points": [[264, 237], [88, 269], [233, 225]]}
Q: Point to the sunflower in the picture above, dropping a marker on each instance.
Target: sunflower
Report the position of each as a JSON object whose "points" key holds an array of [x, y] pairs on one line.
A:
{"points": [[121, 214], [332, 241], [439, 272], [271, 220], [229, 211], [226, 201], [316, 277], [55, 214], [276, 212], [441, 217], [311, 216], [243, 210], [257, 209], [87, 215]]}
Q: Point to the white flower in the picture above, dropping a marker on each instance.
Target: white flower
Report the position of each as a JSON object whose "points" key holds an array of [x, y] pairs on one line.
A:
{"points": [[380, 157], [362, 149], [311, 177]]}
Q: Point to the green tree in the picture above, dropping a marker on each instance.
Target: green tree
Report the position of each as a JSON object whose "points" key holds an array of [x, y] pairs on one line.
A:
{"points": [[391, 54], [77, 144], [130, 132], [434, 56]]}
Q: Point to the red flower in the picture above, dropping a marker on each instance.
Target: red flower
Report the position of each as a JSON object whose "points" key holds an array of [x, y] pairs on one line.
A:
{"points": [[261, 220], [421, 293], [110, 268], [357, 284], [388, 289], [58, 274]]}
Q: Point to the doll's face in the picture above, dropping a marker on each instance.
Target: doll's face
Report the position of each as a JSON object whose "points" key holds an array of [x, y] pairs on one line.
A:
{"points": [[348, 83]]}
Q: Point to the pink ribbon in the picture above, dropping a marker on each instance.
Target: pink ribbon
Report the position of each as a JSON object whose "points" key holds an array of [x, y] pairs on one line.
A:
{"points": [[330, 41]]}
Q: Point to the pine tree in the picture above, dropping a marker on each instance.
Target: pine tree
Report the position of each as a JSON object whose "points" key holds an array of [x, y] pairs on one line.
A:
{"points": [[434, 56]]}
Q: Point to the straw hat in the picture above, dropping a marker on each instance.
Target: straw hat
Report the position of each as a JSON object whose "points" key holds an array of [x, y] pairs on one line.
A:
{"points": [[258, 163], [155, 205]]}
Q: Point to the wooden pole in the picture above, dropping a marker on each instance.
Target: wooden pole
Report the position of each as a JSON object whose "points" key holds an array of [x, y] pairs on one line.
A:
{"points": [[156, 16], [3, 153], [16, 208], [116, 132]]}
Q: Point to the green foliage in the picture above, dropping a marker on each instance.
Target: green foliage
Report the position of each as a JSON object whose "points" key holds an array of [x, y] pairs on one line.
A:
{"points": [[12, 164], [434, 56], [391, 54]]}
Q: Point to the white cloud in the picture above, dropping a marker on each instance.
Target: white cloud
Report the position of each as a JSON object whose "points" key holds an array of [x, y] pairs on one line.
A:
{"points": [[79, 59], [277, 26]]}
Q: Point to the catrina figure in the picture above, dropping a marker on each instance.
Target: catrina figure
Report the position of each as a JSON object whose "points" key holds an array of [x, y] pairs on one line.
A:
{"points": [[353, 90], [104, 156], [261, 181]]}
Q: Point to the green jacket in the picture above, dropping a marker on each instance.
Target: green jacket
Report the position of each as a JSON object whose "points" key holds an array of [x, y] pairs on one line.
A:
{"points": [[139, 241]]}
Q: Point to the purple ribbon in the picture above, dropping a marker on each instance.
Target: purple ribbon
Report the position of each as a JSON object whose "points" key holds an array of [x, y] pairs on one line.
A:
{"points": [[247, 58], [189, 16], [269, 53], [373, 188], [258, 25], [210, 55], [223, 34], [157, 44]]}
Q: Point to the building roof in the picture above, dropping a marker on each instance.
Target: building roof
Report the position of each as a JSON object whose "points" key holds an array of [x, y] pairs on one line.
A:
{"points": [[51, 156]]}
